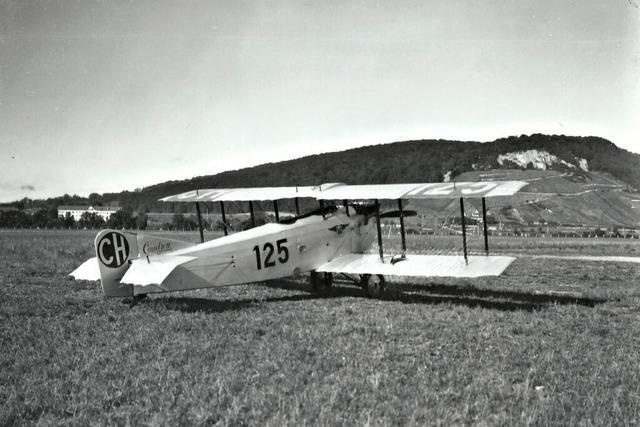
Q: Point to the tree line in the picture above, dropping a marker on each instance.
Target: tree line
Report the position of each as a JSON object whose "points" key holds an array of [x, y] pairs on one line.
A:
{"points": [[49, 218], [407, 161], [121, 219]]}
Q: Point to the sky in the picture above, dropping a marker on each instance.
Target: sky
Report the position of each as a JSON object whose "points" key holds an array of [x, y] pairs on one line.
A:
{"points": [[100, 96]]}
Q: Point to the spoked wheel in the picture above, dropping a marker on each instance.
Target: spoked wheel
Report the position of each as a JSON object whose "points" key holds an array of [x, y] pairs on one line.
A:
{"points": [[373, 284], [321, 282]]}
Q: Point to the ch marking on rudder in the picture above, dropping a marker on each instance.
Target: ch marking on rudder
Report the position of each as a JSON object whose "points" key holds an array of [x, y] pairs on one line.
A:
{"points": [[113, 249]]}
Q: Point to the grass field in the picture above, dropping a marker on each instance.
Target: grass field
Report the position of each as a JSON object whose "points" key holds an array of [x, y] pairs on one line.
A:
{"points": [[549, 342]]}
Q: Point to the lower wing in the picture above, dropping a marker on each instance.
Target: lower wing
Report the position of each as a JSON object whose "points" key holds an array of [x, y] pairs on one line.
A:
{"points": [[419, 265]]}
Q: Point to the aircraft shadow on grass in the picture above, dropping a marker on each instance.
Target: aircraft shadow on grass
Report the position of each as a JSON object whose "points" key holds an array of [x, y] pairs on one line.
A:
{"points": [[431, 294]]}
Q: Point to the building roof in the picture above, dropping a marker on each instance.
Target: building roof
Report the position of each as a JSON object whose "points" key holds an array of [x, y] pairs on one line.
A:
{"points": [[106, 208], [72, 208], [86, 208]]}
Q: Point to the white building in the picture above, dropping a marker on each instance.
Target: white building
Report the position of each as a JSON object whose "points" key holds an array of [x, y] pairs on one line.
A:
{"points": [[77, 211]]}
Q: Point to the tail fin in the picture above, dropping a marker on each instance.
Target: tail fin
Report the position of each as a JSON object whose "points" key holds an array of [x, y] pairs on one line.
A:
{"points": [[114, 250]]}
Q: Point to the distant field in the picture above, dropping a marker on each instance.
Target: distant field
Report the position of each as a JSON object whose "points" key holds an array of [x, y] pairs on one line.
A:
{"points": [[549, 342]]}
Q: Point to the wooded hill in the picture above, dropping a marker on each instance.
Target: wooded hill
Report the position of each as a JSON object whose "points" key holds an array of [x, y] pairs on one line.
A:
{"points": [[407, 161]]}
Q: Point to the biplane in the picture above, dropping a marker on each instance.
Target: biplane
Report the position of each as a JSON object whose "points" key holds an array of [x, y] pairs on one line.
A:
{"points": [[333, 239]]}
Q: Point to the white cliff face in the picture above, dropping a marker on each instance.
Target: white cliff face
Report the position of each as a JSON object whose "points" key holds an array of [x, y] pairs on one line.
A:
{"points": [[583, 164], [539, 159]]}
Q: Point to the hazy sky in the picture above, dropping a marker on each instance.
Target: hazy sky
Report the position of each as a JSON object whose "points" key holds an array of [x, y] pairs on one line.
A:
{"points": [[112, 95]]}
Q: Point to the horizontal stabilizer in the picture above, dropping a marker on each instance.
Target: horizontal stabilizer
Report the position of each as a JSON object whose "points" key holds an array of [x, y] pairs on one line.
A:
{"points": [[88, 270], [419, 265], [153, 271]]}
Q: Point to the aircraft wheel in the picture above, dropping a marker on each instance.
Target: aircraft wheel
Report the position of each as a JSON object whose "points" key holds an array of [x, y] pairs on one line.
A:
{"points": [[321, 282], [373, 284]]}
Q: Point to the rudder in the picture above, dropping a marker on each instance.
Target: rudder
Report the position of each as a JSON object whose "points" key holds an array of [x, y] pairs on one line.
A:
{"points": [[114, 249]]}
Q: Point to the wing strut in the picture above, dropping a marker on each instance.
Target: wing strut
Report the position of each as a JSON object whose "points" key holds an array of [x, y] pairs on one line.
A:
{"points": [[275, 210], [200, 222], [464, 231], [253, 216], [484, 224], [379, 230], [404, 242], [224, 219], [297, 207]]}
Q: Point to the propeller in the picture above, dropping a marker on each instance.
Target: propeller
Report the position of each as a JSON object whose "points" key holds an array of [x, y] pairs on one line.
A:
{"points": [[396, 214], [370, 210]]}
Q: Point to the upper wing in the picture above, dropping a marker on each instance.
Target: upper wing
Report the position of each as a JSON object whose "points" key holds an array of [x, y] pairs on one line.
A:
{"points": [[337, 191], [419, 265], [438, 190], [247, 194]]}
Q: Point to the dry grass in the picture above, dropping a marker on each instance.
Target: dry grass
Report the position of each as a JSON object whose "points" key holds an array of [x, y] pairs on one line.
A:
{"points": [[550, 342]]}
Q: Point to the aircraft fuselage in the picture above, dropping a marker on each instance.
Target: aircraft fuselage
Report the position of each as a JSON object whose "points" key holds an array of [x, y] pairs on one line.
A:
{"points": [[267, 252]]}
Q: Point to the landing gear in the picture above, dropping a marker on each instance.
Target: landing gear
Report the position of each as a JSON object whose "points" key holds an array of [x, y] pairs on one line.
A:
{"points": [[373, 284], [136, 299], [321, 282]]}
